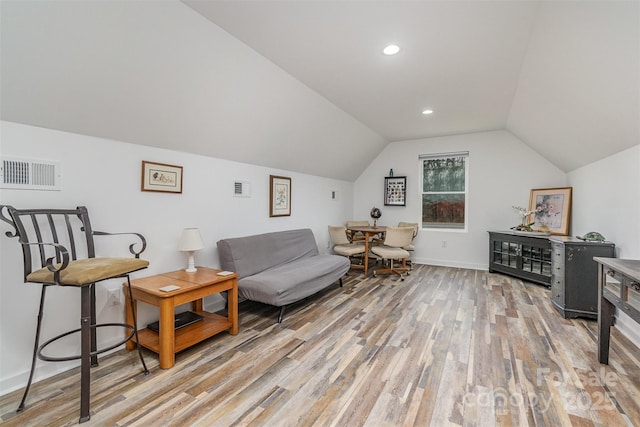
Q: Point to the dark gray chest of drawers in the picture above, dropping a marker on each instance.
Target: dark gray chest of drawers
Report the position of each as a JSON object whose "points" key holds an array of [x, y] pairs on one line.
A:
{"points": [[574, 275]]}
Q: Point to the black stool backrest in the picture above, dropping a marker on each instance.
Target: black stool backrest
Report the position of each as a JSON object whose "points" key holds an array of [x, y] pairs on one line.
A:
{"points": [[50, 236]]}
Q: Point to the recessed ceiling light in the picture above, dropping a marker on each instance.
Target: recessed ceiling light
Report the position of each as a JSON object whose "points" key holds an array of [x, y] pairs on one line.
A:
{"points": [[392, 49], [427, 112]]}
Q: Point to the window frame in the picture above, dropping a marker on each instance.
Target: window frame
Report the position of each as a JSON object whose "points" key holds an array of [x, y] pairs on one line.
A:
{"points": [[421, 159]]}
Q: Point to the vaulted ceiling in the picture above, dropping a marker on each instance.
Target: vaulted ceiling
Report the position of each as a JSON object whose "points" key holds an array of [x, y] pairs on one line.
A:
{"points": [[303, 86]]}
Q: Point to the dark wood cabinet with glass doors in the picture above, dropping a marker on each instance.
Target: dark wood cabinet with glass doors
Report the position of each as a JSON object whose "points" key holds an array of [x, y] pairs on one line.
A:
{"points": [[527, 257]]}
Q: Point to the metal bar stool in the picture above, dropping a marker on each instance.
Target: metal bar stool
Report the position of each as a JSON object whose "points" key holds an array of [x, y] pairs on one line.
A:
{"points": [[58, 249]]}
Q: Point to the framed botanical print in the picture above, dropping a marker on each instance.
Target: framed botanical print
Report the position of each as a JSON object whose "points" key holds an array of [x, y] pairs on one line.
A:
{"points": [[279, 196], [395, 190]]}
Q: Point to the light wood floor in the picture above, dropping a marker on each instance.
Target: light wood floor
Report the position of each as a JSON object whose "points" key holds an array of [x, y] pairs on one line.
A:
{"points": [[445, 347]]}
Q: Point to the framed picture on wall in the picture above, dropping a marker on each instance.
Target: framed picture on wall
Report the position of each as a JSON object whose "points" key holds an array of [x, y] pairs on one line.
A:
{"points": [[161, 177], [395, 190], [552, 208], [279, 196]]}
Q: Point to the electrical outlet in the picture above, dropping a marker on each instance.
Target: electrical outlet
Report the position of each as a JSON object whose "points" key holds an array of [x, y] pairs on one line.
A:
{"points": [[113, 297]]}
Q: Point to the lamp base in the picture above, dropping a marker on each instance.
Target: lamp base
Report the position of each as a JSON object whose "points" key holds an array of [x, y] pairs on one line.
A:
{"points": [[191, 264]]}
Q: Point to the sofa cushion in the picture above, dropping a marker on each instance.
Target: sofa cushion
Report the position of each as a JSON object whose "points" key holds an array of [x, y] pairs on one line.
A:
{"points": [[293, 281], [252, 254]]}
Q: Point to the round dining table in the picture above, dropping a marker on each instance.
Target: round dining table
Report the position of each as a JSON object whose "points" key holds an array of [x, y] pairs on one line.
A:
{"points": [[369, 232]]}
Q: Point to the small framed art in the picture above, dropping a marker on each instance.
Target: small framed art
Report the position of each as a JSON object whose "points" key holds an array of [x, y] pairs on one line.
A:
{"points": [[552, 209], [161, 177], [395, 190], [279, 196]]}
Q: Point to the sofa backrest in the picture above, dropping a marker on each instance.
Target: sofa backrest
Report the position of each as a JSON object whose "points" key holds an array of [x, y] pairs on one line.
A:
{"points": [[252, 254]]}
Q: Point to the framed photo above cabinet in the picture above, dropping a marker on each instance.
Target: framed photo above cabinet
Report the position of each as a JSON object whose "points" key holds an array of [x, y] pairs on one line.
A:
{"points": [[395, 191], [551, 209]]}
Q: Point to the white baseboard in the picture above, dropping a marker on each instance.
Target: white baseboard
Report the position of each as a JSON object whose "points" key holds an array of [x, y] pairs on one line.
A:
{"points": [[44, 370], [447, 263]]}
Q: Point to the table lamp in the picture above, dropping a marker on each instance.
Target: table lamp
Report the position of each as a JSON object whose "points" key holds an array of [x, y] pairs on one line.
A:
{"points": [[190, 241]]}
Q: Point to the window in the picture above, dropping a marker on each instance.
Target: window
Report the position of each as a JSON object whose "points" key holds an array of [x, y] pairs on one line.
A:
{"points": [[444, 190]]}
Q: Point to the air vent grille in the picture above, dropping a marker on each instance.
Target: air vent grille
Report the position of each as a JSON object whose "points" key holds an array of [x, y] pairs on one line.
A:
{"points": [[241, 189], [29, 174]]}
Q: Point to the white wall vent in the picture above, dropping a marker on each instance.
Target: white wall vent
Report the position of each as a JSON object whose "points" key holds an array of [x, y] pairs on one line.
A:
{"points": [[241, 189], [29, 174]]}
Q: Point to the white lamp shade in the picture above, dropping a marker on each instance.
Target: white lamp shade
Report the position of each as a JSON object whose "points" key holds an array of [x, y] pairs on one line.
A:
{"points": [[191, 240]]}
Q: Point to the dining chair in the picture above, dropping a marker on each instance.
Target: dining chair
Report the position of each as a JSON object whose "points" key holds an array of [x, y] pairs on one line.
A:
{"points": [[58, 249], [343, 246], [396, 238], [410, 247]]}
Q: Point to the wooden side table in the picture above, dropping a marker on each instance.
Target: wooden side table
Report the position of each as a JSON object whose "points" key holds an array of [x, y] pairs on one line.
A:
{"points": [[193, 288], [618, 286]]}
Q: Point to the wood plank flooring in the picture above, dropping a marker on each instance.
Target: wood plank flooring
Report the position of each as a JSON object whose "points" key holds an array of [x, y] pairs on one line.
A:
{"points": [[445, 347]]}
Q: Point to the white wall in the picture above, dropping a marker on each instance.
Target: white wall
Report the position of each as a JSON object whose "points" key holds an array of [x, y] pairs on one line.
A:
{"points": [[502, 171], [105, 175], [606, 198]]}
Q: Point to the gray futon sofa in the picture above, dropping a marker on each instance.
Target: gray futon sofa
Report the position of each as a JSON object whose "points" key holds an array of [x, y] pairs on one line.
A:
{"points": [[280, 268]]}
